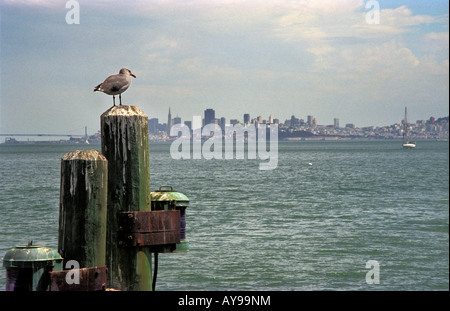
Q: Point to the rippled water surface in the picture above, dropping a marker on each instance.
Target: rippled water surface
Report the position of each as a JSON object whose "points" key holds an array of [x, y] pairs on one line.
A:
{"points": [[298, 227]]}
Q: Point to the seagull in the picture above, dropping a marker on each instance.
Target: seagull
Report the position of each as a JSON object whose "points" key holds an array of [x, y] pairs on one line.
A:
{"points": [[116, 84]]}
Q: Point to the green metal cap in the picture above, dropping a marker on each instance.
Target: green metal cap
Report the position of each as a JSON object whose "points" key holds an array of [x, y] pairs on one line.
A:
{"points": [[170, 195], [182, 247], [25, 256]]}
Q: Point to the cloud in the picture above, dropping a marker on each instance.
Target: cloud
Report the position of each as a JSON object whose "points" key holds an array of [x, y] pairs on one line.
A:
{"points": [[289, 20], [441, 38], [34, 3], [347, 56], [334, 19], [403, 17], [263, 55]]}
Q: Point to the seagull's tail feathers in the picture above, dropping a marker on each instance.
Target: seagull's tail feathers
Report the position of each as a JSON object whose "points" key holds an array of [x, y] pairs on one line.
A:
{"points": [[98, 88]]}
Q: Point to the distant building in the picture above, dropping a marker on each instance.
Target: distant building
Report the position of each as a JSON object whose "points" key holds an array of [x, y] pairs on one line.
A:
{"points": [[421, 122], [350, 125], [246, 118], [169, 122], [177, 120], [188, 124], [210, 116], [294, 121], [310, 120], [336, 123], [153, 125]]}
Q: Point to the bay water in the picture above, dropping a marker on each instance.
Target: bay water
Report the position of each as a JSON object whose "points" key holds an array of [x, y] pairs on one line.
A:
{"points": [[319, 221]]}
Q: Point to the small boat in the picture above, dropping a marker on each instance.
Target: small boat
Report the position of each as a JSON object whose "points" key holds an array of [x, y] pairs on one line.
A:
{"points": [[407, 144]]}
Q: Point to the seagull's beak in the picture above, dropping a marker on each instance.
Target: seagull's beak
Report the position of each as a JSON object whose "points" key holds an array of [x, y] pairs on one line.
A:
{"points": [[132, 75]]}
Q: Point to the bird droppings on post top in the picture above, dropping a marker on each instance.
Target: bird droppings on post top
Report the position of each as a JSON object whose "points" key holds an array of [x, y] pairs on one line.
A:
{"points": [[90, 155], [124, 111]]}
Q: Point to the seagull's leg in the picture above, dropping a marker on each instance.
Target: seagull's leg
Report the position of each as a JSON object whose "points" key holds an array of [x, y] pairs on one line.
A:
{"points": [[114, 100], [120, 97]]}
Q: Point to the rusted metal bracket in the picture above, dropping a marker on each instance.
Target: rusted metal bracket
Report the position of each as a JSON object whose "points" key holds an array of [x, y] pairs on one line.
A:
{"points": [[148, 228], [90, 279]]}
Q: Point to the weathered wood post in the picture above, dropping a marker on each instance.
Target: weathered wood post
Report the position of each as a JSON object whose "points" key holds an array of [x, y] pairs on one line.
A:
{"points": [[82, 210], [125, 144]]}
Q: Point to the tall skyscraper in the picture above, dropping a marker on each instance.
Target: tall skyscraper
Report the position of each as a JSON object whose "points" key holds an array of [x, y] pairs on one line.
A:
{"points": [[188, 124], [336, 123], [169, 122], [210, 116], [222, 123], [246, 118], [176, 120], [153, 125]]}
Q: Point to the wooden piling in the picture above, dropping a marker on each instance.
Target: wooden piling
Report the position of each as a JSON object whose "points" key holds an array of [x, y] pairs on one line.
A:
{"points": [[125, 144], [82, 208]]}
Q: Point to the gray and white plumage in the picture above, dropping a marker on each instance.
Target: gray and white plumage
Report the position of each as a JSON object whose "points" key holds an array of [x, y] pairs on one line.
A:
{"points": [[116, 84]]}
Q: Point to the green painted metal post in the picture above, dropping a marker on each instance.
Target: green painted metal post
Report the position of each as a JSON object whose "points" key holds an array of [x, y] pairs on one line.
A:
{"points": [[82, 208], [125, 144]]}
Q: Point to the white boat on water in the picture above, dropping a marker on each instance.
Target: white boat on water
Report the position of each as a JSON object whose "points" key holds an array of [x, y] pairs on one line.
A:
{"points": [[406, 143], [409, 145]]}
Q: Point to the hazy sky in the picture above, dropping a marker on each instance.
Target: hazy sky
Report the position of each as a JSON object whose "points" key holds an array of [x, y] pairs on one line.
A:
{"points": [[278, 58]]}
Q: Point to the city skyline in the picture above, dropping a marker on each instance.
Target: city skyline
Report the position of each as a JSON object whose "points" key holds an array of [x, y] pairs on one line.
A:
{"points": [[296, 128], [309, 119], [290, 129], [174, 120], [329, 59]]}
